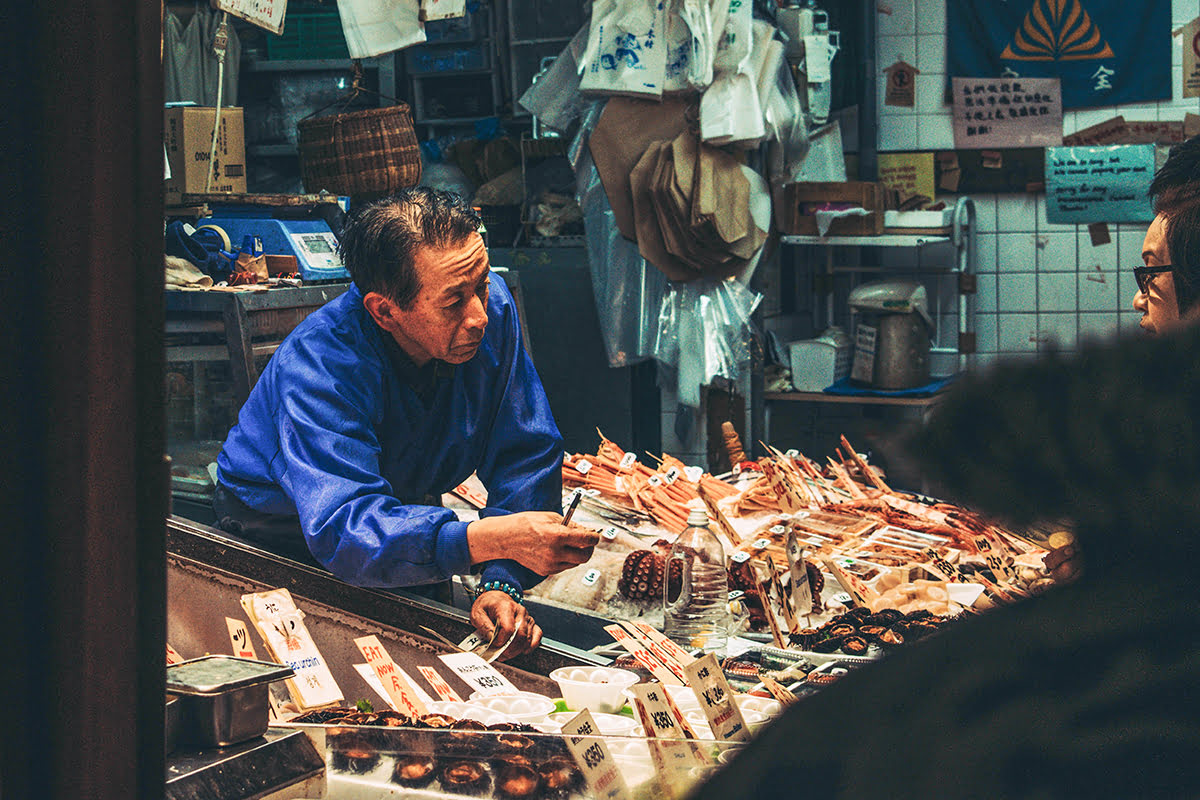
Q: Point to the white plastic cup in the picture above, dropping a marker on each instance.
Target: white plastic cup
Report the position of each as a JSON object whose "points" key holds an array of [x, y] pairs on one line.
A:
{"points": [[598, 689]]}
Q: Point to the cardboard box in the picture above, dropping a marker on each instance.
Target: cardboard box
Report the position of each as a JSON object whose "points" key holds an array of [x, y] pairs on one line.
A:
{"points": [[187, 133], [800, 199]]}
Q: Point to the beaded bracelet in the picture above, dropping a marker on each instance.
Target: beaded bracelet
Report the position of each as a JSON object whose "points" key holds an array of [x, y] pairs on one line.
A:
{"points": [[501, 586]]}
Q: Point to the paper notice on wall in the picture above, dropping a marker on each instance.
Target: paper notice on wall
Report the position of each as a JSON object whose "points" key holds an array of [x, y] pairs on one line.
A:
{"points": [[1099, 184], [909, 174], [1191, 57], [266, 14], [1007, 112]]}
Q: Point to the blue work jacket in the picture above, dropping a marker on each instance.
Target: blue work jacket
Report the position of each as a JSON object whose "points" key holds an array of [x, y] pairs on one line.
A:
{"points": [[333, 434]]}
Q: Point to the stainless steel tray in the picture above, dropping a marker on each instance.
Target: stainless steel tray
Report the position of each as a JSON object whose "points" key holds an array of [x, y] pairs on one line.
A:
{"points": [[218, 673]]}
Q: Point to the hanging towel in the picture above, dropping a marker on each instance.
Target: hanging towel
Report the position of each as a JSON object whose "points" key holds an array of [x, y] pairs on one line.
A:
{"points": [[374, 27], [189, 64]]}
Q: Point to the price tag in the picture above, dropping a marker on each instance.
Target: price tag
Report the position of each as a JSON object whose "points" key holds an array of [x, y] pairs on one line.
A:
{"points": [[478, 674], [761, 544], [736, 594], [843, 598], [802, 597], [368, 674], [239, 637], [939, 564], [778, 530], [438, 684], [643, 655], [778, 690], [583, 466], [399, 687], [288, 641], [470, 494], [672, 475], [716, 700], [657, 649], [789, 615], [609, 533], [674, 761], [655, 635], [994, 554], [172, 656], [628, 460], [599, 769], [591, 492], [740, 557], [590, 577], [792, 453], [654, 480], [693, 474]]}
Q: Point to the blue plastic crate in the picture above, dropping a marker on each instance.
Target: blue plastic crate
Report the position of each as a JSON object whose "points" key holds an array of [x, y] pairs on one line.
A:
{"points": [[425, 60]]}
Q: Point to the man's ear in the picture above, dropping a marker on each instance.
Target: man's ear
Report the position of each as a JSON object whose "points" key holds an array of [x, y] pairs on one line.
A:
{"points": [[382, 310]]}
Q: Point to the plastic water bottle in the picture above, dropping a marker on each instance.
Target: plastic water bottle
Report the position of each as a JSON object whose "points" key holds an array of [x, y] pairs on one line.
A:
{"points": [[695, 610]]}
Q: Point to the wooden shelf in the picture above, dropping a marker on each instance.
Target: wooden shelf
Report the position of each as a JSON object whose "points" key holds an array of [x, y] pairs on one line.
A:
{"points": [[883, 240], [858, 400]]}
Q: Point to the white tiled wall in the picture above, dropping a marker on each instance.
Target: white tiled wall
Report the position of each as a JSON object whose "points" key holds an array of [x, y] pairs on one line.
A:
{"points": [[1039, 282]]}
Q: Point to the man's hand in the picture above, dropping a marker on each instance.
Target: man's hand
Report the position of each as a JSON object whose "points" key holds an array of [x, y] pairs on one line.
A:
{"points": [[496, 609], [1063, 562], [537, 539]]}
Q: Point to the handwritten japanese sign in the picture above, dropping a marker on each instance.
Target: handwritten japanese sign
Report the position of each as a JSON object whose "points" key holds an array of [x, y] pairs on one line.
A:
{"points": [[1007, 112], [675, 761], [716, 700], [400, 690], [288, 641], [909, 174], [1099, 184], [598, 766], [478, 674], [643, 655], [266, 14], [443, 689]]}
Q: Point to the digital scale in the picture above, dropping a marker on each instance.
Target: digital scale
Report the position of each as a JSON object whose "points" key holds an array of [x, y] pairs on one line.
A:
{"points": [[311, 241]]}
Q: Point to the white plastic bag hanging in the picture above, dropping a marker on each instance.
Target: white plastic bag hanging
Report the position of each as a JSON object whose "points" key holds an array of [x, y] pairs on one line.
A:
{"points": [[625, 54], [680, 49], [729, 110], [697, 16], [735, 37]]}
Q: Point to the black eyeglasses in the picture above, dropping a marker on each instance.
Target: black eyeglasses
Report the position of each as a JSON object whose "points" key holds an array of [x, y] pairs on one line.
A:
{"points": [[1143, 275]]}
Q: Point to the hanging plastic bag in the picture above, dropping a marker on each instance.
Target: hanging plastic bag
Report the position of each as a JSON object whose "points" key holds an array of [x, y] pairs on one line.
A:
{"points": [[696, 16], [735, 37], [680, 49], [623, 54]]}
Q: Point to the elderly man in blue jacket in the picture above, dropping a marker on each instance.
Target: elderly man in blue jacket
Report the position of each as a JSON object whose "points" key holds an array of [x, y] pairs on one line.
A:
{"points": [[392, 394]]}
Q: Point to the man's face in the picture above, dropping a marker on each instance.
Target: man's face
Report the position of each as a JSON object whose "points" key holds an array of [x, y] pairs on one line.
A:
{"points": [[448, 317], [1160, 310]]}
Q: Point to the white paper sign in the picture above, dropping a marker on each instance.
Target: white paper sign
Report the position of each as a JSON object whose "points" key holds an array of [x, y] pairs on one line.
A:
{"points": [[599, 768], [478, 674], [716, 700], [281, 626], [266, 14], [398, 686]]}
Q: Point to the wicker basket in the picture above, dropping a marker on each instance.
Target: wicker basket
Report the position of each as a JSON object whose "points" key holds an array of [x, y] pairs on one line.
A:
{"points": [[373, 151]]}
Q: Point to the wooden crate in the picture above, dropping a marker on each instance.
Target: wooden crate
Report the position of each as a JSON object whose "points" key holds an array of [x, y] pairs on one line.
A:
{"points": [[798, 197]]}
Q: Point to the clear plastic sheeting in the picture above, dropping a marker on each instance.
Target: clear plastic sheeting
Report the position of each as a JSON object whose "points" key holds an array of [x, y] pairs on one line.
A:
{"points": [[704, 333], [699, 330]]}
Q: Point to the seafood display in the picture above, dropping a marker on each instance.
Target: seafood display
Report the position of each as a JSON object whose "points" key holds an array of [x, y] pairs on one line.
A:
{"points": [[862, 542]]}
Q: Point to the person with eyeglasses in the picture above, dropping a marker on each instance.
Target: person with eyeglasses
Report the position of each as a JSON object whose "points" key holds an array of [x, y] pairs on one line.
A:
{"points": [[1169, 280]]}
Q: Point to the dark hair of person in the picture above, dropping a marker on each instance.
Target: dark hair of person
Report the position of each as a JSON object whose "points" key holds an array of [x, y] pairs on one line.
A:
{"points": [[380, 241], [1183, 245], [1177, 183]]}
